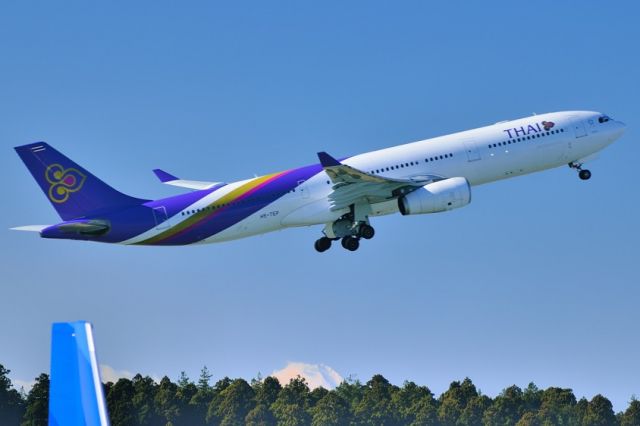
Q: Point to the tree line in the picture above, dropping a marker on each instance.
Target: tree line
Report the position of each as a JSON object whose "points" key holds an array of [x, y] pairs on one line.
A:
{"points": [[142, 401]]}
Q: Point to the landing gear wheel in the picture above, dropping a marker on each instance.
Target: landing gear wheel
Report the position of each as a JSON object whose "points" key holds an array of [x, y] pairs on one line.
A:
{"points": [[350, 243], [323, 244], [584, 174], [366, 231]]}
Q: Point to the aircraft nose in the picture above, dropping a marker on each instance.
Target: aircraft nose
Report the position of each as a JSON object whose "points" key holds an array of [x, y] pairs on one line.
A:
{"points": [[619, 129]]}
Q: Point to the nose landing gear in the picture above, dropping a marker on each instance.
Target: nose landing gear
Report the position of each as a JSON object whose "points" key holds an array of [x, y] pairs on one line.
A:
{"points": [[583, 174]]}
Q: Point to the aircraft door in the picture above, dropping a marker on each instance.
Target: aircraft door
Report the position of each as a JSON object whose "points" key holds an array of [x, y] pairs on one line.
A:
{"points": [[471, 149], [161, 218], [303, 189], [578, 127]]}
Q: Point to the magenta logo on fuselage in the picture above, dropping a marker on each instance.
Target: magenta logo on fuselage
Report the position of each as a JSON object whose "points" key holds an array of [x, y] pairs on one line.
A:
{"points": [[516, 132]]}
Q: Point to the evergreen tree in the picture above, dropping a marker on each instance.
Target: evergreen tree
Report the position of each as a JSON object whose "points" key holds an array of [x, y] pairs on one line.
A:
{"points": [[473, 413], [165, 401], [290, 408], [260, 415], [11, 402], [529, 419], [507, 408], [186, 391], [426, 413], [532, 398], [376, 406], [454, 401], [37, 406], [332, 409], [267, 392], [631, 416], [199, 403], [236, 403], [144, 393], [406, 401], [557, 406], [120, 403], [212, 417], [352, 391], [599, 412]]}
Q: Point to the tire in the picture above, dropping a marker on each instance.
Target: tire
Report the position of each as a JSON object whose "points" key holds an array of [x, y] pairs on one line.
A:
{"points": [[350, 243], [322, 244], [584, 174], [367, 232]]}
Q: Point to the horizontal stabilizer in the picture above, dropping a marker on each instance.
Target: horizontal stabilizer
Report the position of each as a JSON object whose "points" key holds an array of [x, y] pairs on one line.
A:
{"points": [[169, 179], [30, 228]]}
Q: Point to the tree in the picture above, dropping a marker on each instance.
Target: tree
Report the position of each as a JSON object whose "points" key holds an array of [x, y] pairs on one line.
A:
{"points": [[407, 400], [205, 377], [473, 413], [120, 403], [599, 412], [260, 415], [268, 390], [37, 406], [507, 408], [532, 397], [212, 416], [186, 391], [290, 408], [557, 406], [376, 406], [351, 390], [199, 403], [426, 413], [165, 401], [11, 402], [332, 409], [454, 401], [631, 416], [528, 419], [237, 401], [316, 395], [144, 393]]}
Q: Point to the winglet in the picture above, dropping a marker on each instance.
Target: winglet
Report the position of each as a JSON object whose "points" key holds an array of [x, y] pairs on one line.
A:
{"points": [[76, 396], [164, 176], [326, 160]]}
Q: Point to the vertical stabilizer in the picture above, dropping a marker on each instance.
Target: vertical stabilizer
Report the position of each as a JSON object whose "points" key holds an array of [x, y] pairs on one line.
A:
{"points": [[76, 396], [72, 190]]}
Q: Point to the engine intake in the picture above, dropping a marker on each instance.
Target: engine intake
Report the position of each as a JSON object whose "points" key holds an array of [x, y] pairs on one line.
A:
{"points": [[447, 194]]}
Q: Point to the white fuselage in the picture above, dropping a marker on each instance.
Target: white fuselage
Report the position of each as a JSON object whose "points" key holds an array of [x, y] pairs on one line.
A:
{"points": [[499, 151]]}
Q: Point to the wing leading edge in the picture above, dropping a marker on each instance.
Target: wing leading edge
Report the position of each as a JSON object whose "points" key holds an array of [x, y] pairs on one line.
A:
{"points": [[351, 186]]}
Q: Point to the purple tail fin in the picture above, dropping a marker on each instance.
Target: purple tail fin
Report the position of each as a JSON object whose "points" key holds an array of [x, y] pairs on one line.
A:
{"points": [[73, 191]]}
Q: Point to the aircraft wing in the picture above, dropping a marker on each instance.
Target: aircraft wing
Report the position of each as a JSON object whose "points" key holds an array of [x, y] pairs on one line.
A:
{"points": [[170, 179], [351, 185]]}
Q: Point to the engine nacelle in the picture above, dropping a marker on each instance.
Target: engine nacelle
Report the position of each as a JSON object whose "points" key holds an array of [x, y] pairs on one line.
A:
{"points": [[447, 194]]}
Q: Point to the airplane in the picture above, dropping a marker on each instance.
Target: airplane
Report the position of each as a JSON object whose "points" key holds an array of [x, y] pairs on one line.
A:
{"points": [[428, 176], [76, 395]]}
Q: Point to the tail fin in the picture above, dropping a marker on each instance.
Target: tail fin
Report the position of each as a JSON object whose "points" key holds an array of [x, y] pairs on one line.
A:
{"points": [[73, 191], [76, 396]]}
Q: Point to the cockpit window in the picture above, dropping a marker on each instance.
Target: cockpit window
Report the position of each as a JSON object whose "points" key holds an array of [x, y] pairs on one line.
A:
{"points": [[603, 119]]}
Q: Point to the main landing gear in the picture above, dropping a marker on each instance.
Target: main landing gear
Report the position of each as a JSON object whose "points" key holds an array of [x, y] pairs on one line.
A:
{"points": [[348, 231], [583, 174]]}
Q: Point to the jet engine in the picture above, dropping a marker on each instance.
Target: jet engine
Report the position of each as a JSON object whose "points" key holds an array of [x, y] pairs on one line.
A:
{"points": [[440, 196]]}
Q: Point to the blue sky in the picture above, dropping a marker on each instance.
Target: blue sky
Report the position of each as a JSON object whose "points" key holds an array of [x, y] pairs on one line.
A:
{"points": [[536, 280]]}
